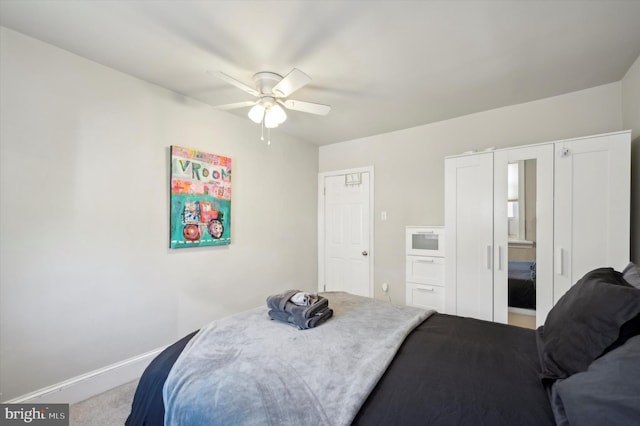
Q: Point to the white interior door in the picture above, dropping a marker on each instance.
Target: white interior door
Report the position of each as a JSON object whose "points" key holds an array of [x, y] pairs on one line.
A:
{"points": [[345, 249]]}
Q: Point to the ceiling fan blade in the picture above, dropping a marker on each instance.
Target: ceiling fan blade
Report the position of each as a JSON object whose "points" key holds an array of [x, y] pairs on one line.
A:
{"points": [[310, 107], [235, 105], [240, 85], [290, 83]]}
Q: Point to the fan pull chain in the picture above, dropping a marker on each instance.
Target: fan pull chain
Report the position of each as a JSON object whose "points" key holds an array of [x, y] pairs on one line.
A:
{"points": [[262, 130]]}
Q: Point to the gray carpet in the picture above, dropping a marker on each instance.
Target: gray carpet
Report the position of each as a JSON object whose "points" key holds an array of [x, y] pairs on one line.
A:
{"points": [[110, 408]]}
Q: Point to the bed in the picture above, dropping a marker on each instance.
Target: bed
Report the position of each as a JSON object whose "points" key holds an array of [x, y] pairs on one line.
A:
{"points": [[522, 285], [446, 370]]}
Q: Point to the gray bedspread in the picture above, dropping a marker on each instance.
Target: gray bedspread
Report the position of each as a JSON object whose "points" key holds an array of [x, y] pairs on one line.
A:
{"points": [[249, 370]]}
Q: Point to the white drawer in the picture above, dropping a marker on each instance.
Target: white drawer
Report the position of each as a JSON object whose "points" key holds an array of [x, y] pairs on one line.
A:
{"points": [[425, 240], [425, 296], [425, 270]]}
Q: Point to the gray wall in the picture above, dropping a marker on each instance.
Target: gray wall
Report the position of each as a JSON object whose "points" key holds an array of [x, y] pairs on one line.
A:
{"points": [[409, 164], [86, 276], [631, 120]]}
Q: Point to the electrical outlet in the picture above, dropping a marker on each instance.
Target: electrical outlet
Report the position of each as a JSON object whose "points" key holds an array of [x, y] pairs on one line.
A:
{"points": [[385, 287]]}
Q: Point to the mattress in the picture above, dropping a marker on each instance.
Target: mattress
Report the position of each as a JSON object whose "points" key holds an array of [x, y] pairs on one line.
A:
{"points": [[449, 370], [461, 371]]}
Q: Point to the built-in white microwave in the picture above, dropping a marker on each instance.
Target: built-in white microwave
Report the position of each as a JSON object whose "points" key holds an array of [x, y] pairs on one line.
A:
{"points": [[425, 241]]}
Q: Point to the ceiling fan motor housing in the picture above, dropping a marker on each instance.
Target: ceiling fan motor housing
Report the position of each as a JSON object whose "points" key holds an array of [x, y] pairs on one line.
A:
{"points": [[265, 81]]}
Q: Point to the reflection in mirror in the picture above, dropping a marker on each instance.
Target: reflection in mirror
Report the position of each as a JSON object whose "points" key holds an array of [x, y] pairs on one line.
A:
{"points": [[521, 216]]}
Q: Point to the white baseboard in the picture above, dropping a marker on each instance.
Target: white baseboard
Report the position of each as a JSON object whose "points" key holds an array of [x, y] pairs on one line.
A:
{"points": [[92, 383]]}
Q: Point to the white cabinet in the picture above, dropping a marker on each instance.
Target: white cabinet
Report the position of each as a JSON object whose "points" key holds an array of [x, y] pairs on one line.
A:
{"points": [[539, 157], [469, 235], [592, 207], [425, 270], [582, 217]]}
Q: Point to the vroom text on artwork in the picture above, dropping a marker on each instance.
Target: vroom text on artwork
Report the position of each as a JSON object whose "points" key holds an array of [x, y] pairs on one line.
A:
{"points": [[200, 198]]}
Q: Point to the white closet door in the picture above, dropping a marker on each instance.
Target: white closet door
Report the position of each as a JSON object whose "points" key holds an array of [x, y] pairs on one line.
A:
{"points": [[543, 154], [591, 217], [469, 235]]}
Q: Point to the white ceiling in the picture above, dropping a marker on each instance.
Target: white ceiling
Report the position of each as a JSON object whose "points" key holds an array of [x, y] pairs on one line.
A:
{"points": [[381, 65]]}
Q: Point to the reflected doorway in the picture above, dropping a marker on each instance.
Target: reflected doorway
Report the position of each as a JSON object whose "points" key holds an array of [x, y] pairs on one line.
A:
{"points": [[522, 230]]}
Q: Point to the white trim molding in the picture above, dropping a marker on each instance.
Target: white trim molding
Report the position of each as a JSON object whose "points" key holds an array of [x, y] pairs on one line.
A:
{"points": [[86, 385]]}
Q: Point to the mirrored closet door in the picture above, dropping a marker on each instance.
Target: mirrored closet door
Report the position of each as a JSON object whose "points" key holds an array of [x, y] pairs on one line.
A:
{"points": [[551, 211], [523, 235]]}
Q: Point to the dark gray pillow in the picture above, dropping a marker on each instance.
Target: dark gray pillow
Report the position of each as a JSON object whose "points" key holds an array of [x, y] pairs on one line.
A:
{"points": [[631, 274], [608, 393], [586, 322]]}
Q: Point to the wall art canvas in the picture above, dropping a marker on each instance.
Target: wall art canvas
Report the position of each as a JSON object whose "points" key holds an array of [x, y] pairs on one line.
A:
{"points": [[200, 198]]}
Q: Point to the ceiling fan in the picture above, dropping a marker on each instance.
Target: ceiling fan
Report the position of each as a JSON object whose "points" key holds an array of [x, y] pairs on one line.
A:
{"points": [[272, 91]]}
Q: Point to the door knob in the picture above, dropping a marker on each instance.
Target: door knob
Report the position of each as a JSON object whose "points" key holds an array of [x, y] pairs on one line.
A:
{"points": [[365, 253]]}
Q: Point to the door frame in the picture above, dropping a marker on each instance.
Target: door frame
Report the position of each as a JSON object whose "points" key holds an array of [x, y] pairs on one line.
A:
{"points": [[321, 223]]}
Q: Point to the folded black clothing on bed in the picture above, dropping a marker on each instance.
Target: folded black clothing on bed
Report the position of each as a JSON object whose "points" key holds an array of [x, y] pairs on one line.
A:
{"points": [[282, 303], [302, 323]]}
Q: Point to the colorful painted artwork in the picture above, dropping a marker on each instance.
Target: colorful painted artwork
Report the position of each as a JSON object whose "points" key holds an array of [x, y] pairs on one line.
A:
{"points": [[200, 198]]}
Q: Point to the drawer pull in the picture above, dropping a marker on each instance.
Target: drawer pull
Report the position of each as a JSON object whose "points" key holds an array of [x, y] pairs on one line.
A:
{"points": [[429, 289], [558, 261], [425, 260]]}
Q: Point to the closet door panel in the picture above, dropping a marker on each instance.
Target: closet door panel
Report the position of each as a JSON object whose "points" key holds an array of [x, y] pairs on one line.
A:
{"points": [[541, 158], [469, 235], [592, 207]]}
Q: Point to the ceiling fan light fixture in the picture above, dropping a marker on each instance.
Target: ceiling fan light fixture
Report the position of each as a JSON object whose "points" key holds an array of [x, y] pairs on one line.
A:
{"points": [[269, 124], [276, 112], [256, 113]]}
